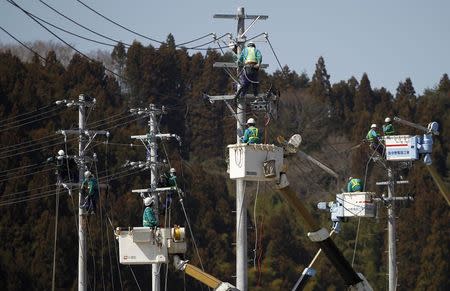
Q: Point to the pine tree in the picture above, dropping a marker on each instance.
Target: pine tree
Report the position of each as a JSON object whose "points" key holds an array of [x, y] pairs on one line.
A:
{"points": [[320, 83]]}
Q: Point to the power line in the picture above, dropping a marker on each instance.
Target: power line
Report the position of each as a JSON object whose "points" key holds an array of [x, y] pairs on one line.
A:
{"points": [[23, 44], [62, 40], [32, 121], [32, 150], [28, 142], [20, 148], [114, 22], [87, 28], [27, 113], [67, 31]]}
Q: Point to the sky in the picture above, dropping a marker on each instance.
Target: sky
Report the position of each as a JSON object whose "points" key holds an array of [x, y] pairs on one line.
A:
{"points": [[389, 40]]}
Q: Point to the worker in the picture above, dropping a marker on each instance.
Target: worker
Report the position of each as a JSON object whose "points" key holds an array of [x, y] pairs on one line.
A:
{"points": [[89, 188], [373, 138], [354, 185], [251, 59], [149, 219], [251, 134], [388, 128], [171, 182]]}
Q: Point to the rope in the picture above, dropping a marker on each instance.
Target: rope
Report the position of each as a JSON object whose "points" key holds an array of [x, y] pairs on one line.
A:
{"points": [[134, 276], [256, 226], [101, 224], [356, 241], [55, 237]]}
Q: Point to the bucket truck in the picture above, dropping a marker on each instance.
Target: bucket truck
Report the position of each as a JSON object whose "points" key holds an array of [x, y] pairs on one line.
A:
{"points": [[263, 162]]}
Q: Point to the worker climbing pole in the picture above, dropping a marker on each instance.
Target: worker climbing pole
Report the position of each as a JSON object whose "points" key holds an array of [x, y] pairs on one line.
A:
{"points": [[85, 138]]}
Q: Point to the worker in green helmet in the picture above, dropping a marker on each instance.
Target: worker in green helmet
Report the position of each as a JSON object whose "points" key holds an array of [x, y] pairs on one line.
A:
{"points": [[354, 185]]}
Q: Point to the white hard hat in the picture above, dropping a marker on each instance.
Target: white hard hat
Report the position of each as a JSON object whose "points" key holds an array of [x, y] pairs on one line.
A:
{"points": [[251, 121], [60, 153], [172, 170], [251, 43], [148, 201], [350, 178], [373, 125], [387, 119], [87, 174]]}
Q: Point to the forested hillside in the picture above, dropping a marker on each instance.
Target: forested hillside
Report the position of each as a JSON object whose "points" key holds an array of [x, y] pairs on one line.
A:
{"points": [[333, 120]]}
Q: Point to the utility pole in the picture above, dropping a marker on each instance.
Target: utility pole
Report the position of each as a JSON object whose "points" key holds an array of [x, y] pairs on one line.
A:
{"points": [[152, 162], [392, 235], [241, 200], [153, 158], [84, 135], [392, 262]]}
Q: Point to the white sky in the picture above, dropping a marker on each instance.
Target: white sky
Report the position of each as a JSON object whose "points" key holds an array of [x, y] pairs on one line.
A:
{"points": [[390, 40]]}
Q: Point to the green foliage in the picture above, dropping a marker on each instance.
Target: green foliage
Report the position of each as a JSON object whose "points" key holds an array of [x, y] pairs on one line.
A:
{"points": [[332, 118]]}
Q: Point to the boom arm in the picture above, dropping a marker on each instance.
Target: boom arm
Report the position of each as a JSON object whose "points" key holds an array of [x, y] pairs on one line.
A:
{"points": [[439, 183], [201, 276], [432, 127], [322, 238]]}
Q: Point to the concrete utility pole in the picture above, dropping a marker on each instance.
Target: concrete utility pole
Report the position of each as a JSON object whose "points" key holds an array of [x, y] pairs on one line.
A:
{"points": [[153, 158], [392, 236], [392, 262], [241, 200], [83, 102], [152, 163]]}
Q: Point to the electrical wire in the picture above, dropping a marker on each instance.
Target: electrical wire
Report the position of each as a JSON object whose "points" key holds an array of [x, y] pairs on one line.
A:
{"points": [[55, 237], [11, 125], [27, 199], [117, 24], [80, 25], [21, 148], [23, 44], [26, 113], [52, 136], [134, 276], [71, 33], [22, 167], [25, 175], [134, 32], [62, 40], [33, 150]]}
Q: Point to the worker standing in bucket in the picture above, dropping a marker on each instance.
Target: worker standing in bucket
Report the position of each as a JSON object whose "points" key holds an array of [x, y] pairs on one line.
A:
{"points": [[251, 134], [149, 219], [388, 128], [373, 138], [354, 185]]}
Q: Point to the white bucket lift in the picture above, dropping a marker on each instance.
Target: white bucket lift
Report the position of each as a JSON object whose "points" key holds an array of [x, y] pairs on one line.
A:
{"points": [[255, 162], [401, 148], [349, 204], [145, 245], [355, 204]]}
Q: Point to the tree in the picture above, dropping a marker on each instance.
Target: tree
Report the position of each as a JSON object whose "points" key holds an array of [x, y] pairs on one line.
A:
{"points": [[320, 83], [405, 100], [119, 58]]}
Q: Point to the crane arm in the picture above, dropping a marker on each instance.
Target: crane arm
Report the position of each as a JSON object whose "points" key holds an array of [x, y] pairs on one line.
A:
{"points": [[432, 127], [202, 276], [438, 181], [322, 238]]}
